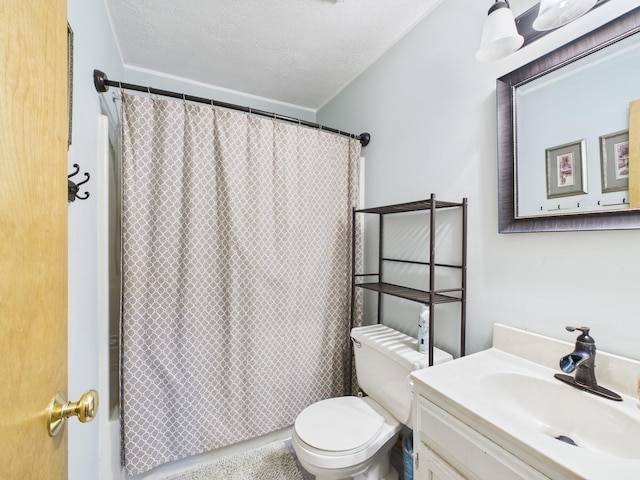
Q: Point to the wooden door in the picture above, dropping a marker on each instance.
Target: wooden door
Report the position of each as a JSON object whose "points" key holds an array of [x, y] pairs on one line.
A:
{"points": [[33, 235]]}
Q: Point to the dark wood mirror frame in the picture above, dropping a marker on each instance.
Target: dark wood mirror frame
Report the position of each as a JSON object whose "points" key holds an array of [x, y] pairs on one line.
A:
{"points": [[616, 30]]}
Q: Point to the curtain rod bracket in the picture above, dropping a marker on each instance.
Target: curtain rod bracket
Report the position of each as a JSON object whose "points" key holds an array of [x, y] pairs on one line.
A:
{"points": [[364, 138], [100, 81]]}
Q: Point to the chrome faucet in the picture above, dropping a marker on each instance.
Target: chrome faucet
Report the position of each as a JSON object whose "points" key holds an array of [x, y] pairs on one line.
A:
{"points": [[582, 361]]}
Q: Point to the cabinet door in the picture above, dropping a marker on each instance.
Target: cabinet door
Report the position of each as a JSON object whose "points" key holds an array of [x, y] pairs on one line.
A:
{"points": [[472, 453], [429, 466], [420, 464]]}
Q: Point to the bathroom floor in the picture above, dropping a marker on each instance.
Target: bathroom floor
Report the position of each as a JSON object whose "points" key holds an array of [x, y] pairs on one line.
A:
{"points": [[275, 461]]}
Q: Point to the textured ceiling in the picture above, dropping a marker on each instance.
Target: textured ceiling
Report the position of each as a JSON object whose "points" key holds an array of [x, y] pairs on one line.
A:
{"points": [[301, 52]]}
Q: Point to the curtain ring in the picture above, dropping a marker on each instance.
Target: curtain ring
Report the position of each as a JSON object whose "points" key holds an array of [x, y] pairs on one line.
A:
{"points": [[121, 92]]}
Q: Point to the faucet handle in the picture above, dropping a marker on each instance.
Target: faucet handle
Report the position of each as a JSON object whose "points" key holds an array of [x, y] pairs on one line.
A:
{"points": [[584, 337]]}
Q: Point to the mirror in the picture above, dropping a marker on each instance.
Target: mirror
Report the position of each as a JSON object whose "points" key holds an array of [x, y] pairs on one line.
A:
{"points": [[563, 123]]}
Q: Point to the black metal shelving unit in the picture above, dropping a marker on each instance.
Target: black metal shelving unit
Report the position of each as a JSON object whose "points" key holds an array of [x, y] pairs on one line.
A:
{"points": [[429, 297]]}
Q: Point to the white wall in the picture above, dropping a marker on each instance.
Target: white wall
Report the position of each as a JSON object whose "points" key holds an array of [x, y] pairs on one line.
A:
{"points": [[149, 78], [431, 111], [94, 47]]}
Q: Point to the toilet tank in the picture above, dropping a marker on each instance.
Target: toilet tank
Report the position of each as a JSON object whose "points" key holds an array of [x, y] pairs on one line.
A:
{"points": [[384, 359]]}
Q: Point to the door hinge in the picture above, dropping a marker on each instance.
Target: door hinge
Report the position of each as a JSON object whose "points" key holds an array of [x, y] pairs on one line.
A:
{"points": [[416, 460]]}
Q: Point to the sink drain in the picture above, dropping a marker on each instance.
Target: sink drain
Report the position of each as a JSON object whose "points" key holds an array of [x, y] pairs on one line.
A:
{"points": [[565, 439]]}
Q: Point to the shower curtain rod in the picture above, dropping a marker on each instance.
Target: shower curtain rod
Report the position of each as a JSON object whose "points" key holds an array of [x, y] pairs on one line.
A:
{"points": [[102, 84]]}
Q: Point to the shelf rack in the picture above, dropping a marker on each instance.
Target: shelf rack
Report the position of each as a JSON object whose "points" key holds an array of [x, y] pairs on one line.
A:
{"points": [[429, 297]]}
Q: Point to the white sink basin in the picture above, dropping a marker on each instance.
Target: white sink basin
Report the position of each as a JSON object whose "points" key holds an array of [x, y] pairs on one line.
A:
{"points": [[564, 413], [520, 406]]}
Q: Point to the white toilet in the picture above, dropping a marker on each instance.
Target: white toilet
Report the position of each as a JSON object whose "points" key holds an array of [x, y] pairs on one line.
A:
{"points": [[351, 437]]}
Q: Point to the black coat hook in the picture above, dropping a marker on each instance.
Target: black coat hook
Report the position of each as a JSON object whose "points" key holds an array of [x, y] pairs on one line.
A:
{"points": [[74, 187]]}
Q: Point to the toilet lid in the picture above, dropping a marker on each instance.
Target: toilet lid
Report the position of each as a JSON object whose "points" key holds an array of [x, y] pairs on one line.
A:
{"points": [[338, 424]]}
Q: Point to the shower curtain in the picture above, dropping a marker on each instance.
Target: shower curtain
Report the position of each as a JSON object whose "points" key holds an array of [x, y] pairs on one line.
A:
{"points": [[236, 275]]}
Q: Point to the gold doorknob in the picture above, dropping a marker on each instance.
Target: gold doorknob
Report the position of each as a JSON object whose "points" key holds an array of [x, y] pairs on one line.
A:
{"points": [[60, 409]]}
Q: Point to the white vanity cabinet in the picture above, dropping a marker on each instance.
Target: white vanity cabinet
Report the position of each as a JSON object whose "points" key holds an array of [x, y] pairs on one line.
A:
{"points": [[500, 414], [448, 449]]}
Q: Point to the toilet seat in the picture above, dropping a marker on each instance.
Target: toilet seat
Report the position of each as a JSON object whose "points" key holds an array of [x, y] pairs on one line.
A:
{"points": [[343, 424], [315, 431]]}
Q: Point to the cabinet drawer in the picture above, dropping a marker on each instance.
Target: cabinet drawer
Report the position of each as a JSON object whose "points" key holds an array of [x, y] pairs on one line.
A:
{"points": [[469, 452]]}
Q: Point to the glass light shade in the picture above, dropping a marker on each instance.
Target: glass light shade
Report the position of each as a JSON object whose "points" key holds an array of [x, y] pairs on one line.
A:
{"points": [[500, 35], [555, 13]]}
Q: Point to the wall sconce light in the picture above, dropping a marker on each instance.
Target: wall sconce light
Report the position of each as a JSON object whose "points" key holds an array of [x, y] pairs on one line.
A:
{"points": [[500, 36], [556, 13]]}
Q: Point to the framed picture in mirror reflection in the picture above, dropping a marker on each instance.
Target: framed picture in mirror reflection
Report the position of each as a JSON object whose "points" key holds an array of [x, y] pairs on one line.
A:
{"points": [[614, 161], [566, 170]]}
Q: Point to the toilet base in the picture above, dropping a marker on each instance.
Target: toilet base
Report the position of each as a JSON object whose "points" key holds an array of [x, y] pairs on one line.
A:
{"points": [[379, 467], [392, 475], [371, 474]]}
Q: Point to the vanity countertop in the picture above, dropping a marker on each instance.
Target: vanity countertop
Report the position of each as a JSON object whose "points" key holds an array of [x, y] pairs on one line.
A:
{"points": [[508, 394]]}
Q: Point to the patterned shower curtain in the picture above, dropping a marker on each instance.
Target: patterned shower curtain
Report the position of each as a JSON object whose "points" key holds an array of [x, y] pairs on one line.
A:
{"points": [[236, 275]]}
